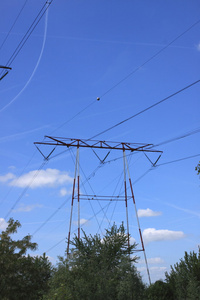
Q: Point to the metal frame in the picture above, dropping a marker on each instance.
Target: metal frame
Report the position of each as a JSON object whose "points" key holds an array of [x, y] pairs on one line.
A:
{"points": [[94, 144]]}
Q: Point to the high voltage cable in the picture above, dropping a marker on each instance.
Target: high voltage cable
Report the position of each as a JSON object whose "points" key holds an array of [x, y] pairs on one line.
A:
{"points": [[121, 80], [87, 180], [35, 68], [181, 159], [178, 137], [18, 177], [177, 160], [150, 169], [50, 157], [25, 190], [13, 24], [29, 32], [64, 123], [164, 142], [148, 108], [151, 58], [61, 206], [88, 219], [125, 78]]}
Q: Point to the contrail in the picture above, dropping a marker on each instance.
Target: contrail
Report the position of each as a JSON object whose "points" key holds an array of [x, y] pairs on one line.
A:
{"points": [[35, 69]]}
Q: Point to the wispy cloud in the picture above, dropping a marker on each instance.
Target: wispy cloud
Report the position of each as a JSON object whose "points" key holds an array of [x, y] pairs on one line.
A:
{"points": [[21, 134], [198, 47], [63, 192], [152, 261], [188, 211], [82, 221], [27, 208], [3, 224], [153, 235], [45, 178], [148, 213], [6, 177]]}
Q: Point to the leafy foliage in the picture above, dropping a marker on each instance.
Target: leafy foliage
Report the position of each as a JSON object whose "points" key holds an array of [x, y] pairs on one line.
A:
{"points": [[98, 269], [160, 290], [184, 278], [198, 168], [21, 277]]}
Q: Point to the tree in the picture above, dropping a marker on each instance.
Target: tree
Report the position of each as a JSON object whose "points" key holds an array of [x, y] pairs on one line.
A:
{"points": [[21, 276], [184, 277], [198, 168], [159, 290], [98, 269]]}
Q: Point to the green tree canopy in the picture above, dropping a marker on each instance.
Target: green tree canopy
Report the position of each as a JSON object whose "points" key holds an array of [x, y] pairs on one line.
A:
{"points": [[21, 276], [98, 268], [198, 168], [159, 290], [184, 277]]}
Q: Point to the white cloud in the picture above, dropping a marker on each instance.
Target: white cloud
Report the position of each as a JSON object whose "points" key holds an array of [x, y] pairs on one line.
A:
{"points": [[152, 235], [27, 208], [148, 213], [3, 224], [7, 177], [158, 269], [198, 46], [156, 273], [152, 261], [82, 221], [132, 240], [43, 178], [63, 192], [155, 260]]}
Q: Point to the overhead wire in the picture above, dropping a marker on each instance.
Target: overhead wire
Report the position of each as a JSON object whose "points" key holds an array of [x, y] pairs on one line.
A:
{"points": [[35, 68], [61, 206], [9, 191], [197, 130], [162, 143], [12, 26], [25, 189], [145, 173], [83, 186], [165, 142], [147, 108], [134, 72], [51, 248], [177, 160], [123, 79], [182, 136], [29, 32], [150, 59]]}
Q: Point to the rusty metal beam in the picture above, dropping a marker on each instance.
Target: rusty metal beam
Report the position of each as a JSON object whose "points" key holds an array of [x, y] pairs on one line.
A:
{"points": [[70, 142]]}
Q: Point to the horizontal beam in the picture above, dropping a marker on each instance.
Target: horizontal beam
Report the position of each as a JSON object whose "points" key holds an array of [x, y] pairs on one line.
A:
{"points": [[68, 142], [102, 197]]}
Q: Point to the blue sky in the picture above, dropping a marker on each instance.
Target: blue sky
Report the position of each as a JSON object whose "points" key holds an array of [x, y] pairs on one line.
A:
{"points": [[80, 51]]}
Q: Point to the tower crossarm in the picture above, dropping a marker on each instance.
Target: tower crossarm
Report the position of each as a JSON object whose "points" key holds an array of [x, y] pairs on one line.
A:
{"points": [[110, 145]]}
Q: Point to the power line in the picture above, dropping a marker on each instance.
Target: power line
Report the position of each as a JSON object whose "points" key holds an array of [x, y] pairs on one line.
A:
{"points": [[62, 205], [64, 123], [181, 159], [152, 167], [102, 209], [13, 24], [150, 59], [26, 188], [29, 32], [197, 130], [177, 160], [148, 108], [35, 68]]}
